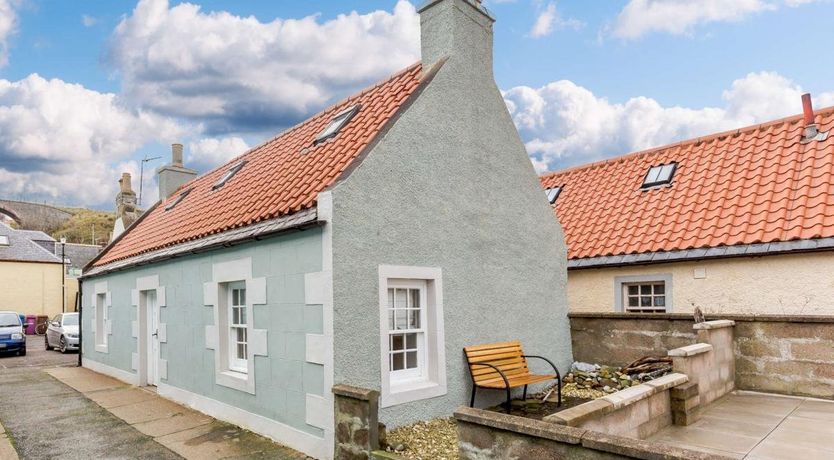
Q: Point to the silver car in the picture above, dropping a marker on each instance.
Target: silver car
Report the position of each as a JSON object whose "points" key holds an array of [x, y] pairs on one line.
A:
{"points": [[62, 332]]}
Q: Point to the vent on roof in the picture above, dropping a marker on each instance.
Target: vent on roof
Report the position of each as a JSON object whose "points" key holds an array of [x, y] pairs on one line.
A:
{"points": [[4, 240], [179, 198], [812, 132], [336, 124], [553, 193], [229, 174], [659, 175]]}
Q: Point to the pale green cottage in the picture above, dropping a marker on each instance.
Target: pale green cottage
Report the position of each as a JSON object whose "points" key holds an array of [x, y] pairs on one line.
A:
{"points": [[366, 246]]}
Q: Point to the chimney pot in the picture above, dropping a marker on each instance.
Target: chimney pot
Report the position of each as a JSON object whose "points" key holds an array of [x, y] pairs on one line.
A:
{"points": [[808, 109], [176, 154], [125, 184]]}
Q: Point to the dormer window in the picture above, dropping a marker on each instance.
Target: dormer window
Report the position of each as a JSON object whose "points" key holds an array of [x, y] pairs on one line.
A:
{"points": [[553, 193], [4, 240], [336, 124], [229, 174], [178, 199], [659, 175]]}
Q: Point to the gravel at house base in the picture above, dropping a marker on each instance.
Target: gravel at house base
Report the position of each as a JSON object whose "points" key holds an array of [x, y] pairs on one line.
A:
{"points": [[430, 440]]}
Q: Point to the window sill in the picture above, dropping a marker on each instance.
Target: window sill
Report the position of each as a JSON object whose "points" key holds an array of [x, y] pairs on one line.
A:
{"points": [[408, 391], [101, 348], [236, 374], [236, 380]]}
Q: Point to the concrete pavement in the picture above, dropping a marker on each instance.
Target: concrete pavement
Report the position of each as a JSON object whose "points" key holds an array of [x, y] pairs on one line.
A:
{"points": [[189, 433], [47, 419]]}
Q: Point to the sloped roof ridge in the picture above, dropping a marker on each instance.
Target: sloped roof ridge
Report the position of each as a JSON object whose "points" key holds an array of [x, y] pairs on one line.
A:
{"points": [[686, 142]]}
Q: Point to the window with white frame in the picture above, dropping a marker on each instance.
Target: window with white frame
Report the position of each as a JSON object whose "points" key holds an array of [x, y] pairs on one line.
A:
{"points": [[406, 332], [237, 317], [643, 293], [413, 358], [101, 319], [649, 297]]}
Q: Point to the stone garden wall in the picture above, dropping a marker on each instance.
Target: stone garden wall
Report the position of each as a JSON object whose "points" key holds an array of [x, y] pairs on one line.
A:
{"points": [[486, 435], [791, 355]]}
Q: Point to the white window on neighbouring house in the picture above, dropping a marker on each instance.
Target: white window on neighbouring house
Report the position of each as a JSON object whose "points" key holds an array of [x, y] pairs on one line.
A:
{"points": [[646, 297], [237, 317], [228, 175], [643, 293], [413, 359], [4, 240], [101, 319], [553, 193]]}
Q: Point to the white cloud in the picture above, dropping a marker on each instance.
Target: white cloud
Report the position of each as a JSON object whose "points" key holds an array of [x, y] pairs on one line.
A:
{"points": [[680, 17], [8, 27], [207, 153], [564, 124], [549, 20], [88, 21], [62, 142], [237, 73]]}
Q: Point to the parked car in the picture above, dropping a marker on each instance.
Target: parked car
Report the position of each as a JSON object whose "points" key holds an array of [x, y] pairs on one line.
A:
{"points": [[12, 339], [62, 332]]}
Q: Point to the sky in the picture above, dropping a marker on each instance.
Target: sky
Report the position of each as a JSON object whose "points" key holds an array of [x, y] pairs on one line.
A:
{"points": [[90, 88]]}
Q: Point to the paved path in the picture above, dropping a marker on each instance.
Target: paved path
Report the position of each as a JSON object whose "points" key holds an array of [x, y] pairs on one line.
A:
{"points": [[757, 426], [47, 419], [187, 432], [51, 409]]}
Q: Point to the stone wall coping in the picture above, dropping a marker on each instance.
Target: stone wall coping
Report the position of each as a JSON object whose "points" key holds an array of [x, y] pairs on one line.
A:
{"points": [[526, 426], [688, 317], [603, 442], [715, 324], [691, 350], [349, 391], [590, 410]]}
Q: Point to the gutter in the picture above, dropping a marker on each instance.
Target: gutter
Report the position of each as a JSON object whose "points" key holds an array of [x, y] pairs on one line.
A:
{"points": [[690, 255], [298, 221]]}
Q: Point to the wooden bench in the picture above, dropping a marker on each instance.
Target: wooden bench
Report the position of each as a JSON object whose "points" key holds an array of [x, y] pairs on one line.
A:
{"points": [[503, 366]]}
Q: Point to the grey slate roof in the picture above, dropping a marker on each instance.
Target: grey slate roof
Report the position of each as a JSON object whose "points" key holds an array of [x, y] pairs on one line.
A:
{"points": [[23, 249], [740, 250], [78, 255]]}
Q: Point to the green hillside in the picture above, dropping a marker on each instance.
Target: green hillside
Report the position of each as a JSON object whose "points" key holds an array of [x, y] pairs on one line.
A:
{"points": [[86, 226]]}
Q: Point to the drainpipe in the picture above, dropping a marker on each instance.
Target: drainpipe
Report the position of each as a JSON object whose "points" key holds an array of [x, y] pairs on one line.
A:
{"points": [[78, 304]]}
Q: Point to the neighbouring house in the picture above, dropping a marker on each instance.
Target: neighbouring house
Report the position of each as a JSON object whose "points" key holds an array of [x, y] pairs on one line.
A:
{"points": [[31, 274], [737, 222], [365, 246]]}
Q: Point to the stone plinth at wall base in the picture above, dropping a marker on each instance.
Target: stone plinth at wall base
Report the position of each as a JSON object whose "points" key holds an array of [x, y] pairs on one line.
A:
{"points": [[486, 435], [686, 404], [357, 422]]}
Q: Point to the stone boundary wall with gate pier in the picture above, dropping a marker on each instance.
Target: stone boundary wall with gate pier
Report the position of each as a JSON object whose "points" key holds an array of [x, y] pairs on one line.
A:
{"points": [[791, 355]]}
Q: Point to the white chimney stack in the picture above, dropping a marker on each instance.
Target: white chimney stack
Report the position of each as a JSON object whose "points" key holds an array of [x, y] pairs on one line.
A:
{"points": [[173, 175]]}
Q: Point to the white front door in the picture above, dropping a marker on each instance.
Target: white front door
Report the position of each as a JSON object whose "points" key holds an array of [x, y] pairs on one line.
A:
{"points": [[152, 340]]}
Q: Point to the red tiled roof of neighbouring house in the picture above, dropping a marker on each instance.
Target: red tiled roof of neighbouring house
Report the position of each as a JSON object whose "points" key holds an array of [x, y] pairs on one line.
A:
{"points": [[280, 177], [759, 184]]}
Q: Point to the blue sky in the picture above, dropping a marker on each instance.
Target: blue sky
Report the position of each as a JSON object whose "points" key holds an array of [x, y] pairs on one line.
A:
{"points": [[583, 80]]}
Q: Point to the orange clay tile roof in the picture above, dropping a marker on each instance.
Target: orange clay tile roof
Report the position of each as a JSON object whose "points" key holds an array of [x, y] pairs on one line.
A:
{"points": [[278, 179], [755, 185]]}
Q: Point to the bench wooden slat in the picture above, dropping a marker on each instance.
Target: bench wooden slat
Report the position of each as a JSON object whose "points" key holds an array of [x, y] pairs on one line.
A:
{"points": [[506, 356]]}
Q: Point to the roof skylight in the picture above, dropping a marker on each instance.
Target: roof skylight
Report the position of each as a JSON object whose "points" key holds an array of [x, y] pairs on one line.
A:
{"points": [[229, 174], [179, 198], [4, 240], [659, 175], [336, 124], [553, 193]]}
